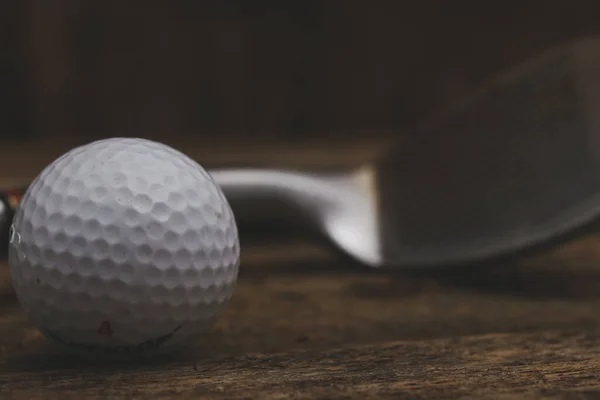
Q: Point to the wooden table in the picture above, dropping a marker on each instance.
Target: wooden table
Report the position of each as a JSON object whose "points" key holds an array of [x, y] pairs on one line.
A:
{"points": [[304, 324]]}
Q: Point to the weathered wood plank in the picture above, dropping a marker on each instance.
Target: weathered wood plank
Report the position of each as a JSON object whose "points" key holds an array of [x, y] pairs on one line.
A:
{"points": [[302, 325]]}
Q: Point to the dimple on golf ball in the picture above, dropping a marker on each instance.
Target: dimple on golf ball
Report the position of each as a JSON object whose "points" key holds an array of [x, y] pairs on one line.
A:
{"points": [[123, 245]]}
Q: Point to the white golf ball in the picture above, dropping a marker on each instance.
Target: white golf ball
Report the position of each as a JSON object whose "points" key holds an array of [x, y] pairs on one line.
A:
{"points": [[123, 246]]}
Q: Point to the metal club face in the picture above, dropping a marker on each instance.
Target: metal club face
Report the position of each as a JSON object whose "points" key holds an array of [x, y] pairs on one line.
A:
{"points": [[515, 165]]}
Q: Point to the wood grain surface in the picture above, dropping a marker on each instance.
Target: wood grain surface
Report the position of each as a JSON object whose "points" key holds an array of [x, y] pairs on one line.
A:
{"points": [[304, 324]]}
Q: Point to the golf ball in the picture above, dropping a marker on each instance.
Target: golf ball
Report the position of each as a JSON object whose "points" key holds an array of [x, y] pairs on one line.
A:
{"points": [[123, 246]]}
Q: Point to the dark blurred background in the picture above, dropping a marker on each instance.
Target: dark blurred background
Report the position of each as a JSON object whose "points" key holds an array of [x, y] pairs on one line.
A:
{"points": [[290, 69]]}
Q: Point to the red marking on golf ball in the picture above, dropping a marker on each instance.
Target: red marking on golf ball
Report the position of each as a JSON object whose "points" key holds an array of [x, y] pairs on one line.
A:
{"points": [[105, 329]]}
